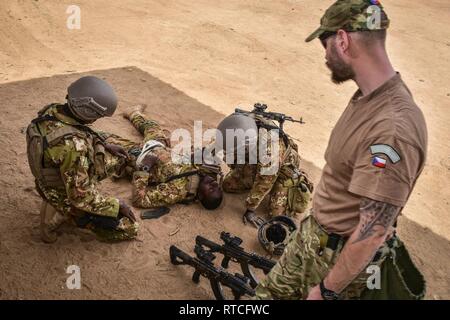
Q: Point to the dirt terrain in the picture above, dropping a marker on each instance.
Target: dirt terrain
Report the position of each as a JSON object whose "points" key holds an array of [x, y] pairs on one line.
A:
{"points": [[198, 60]]}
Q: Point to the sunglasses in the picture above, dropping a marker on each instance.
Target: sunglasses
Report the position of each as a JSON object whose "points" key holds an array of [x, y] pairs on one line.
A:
{"points": [[324, 36], [327, 34]]}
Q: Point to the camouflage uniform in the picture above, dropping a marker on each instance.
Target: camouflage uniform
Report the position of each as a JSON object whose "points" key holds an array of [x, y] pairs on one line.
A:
{"points": [[149, 188], [82, 163], [279, 186], [306, 261]]}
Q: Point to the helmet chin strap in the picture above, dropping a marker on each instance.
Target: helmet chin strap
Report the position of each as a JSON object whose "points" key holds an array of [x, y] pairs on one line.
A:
{"points": [[68, 112], [86, 109]]}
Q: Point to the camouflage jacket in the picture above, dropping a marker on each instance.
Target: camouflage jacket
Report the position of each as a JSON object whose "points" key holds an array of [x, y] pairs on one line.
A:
{"points": [[151, 189], [265, 175], [82, 163]]}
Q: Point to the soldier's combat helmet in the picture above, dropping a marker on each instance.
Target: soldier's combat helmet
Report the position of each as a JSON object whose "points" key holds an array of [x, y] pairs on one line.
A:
{"points": [[273, 234], [236, 132], [90, 98]]}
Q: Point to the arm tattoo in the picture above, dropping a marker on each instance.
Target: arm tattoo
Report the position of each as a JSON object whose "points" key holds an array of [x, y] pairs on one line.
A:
{"points": [[376, 217]]}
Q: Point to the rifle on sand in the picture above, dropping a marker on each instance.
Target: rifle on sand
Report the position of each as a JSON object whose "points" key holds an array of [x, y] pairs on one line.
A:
{"points": [[232, 250], [217, 276]]}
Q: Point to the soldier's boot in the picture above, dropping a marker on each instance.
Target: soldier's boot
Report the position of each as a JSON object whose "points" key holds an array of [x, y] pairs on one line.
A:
{"points": [[51, 219], [150, 129], [134, 110], [125, 230]]}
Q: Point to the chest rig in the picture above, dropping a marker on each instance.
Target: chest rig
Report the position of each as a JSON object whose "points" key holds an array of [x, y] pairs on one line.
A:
{"points": [[38, 143]]}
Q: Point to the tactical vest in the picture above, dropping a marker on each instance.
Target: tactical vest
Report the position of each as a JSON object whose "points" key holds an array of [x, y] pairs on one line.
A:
{"points": [[38, 143]]}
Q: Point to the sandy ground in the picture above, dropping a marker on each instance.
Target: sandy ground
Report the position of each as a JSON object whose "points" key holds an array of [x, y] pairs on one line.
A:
{"points": [[217, 55]]}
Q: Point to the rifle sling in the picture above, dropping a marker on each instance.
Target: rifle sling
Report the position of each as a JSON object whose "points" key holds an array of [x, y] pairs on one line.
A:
{"points": [[175, 177]]}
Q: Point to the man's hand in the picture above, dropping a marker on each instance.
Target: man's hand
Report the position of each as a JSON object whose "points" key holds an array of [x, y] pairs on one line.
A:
{"points": [[116, 150], [148, 163], [125, 210], [375, 225], [250, 216], [314, 294]]}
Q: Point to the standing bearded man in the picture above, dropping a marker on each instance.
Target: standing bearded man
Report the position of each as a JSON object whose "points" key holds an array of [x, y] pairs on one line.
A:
{"points": [[375, 154]]}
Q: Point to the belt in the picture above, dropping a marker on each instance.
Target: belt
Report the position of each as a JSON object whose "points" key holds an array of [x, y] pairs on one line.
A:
{"points": [[331, 241]]}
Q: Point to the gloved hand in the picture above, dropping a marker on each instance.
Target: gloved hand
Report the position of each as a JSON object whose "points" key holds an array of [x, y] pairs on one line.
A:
{"points": [[250, 216], [148, 163], [116, 150]]}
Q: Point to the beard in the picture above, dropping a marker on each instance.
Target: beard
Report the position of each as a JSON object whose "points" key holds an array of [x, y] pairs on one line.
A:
{"points": [[340, 71]]}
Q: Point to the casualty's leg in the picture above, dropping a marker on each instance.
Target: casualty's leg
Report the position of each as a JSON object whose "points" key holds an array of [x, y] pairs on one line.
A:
{"points": [[150, 129]]}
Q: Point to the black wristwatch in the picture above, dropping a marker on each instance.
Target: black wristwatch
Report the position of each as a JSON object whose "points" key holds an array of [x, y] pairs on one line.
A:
{"points": [[327, 294]]}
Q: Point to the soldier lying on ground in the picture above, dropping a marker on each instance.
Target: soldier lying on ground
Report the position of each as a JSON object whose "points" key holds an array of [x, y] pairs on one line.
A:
{"points": [[68, 159], [159, 181]]}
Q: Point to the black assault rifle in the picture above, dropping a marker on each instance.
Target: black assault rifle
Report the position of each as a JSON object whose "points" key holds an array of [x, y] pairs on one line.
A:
{"points": [[232, 250], [217, 276], [260, 109]]}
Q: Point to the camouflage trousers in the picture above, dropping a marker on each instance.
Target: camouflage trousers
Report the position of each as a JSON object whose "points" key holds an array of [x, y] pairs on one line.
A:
{"points": [[241, 178], [105, 228], [305, 262], [150, 130]]}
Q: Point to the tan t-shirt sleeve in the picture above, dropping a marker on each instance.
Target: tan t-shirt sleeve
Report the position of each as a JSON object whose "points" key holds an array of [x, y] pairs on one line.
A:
{"points": [[385, 170]]}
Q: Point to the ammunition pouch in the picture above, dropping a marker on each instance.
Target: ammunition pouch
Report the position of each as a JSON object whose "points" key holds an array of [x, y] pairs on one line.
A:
{"points": [[99, 158], [299, 189], [36, 146]]}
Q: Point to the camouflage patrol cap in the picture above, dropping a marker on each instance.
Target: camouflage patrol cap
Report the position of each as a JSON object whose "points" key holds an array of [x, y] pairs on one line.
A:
{"points": [[352, 15]]}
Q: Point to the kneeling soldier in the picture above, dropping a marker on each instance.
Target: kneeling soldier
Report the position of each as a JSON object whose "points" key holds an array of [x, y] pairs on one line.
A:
{"points": [[282, 179], [68, 159]]}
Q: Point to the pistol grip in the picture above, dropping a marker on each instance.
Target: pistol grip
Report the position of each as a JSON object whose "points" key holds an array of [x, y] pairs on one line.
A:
{"points": [[225, 262], [196, 277]]}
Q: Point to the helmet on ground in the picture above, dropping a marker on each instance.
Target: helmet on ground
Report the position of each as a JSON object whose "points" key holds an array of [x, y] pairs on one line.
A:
{"points": [[273, 234]]}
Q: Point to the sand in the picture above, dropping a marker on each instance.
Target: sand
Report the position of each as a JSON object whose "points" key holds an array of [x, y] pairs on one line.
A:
{"points": [[198, 60]]}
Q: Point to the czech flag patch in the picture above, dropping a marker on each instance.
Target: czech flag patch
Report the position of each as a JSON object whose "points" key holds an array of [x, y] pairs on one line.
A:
{"points": [[379, 162], [376, 2]]}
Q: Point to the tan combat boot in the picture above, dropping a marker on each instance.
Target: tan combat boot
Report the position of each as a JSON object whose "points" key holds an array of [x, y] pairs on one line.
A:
{"points": [[140, 108], [51, 219]]}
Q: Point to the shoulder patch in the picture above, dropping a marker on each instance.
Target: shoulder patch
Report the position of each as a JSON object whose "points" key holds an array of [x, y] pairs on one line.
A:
{"points": [[387, 150]]}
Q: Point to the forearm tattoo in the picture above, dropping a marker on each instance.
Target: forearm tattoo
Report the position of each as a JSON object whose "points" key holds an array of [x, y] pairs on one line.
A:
{"points": [[376, 217]]}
